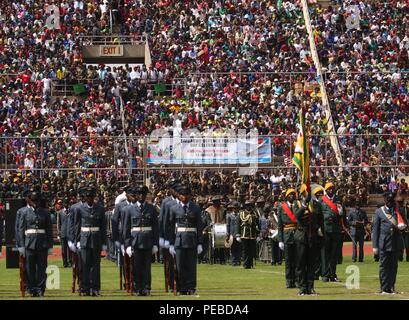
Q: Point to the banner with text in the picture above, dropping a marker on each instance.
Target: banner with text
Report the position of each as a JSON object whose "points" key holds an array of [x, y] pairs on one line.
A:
{"points": [[209, 150]]}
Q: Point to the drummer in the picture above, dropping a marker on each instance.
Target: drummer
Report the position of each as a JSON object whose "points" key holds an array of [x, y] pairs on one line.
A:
{"points": [[232, 220], [218, 216]]}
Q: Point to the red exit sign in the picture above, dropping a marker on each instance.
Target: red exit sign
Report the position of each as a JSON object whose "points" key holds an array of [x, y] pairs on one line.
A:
{"points": [[111, 51]]}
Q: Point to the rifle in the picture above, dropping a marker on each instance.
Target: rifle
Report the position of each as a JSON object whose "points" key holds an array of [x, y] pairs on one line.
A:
{"points": [[74, 271], [120, 270], [175, 276], [126, 265], [166, 266], [21, 264], [131, 275]]}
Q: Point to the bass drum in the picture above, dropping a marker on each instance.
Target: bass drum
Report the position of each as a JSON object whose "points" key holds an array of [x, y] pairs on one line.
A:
{"points": [[219, 234]]}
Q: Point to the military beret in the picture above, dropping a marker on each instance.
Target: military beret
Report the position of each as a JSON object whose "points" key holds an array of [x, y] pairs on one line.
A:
{"points": [[90, 191], [142, 190], [389, 195], [233, 204], [216, 198], [184, 190]]}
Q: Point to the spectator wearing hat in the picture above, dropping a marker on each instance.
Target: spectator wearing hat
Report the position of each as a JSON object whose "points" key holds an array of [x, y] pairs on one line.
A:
{"points": [[333, 214], [35, 242], [141, 239], [389, 222], [247, 231], [186, 239], [90, 238], [287, 225], [231, 223]]}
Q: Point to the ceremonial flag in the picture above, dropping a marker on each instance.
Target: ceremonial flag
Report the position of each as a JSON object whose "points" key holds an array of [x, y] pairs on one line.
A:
{"points": [[301, 157]]}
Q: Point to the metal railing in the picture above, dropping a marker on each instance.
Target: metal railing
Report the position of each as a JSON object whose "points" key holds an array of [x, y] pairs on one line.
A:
{"points": [[112, 39], [50, 154]]}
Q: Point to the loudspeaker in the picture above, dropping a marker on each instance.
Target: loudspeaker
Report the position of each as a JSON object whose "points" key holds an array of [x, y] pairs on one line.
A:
{"points": [[11, 206], [12, 257]]}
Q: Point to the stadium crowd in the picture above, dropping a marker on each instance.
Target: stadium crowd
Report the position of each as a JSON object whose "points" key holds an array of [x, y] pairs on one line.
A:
{"points": [[192, 41]]}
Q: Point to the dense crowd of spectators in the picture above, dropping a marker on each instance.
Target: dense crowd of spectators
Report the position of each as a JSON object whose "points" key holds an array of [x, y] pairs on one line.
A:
{"points": [[234, 64]]}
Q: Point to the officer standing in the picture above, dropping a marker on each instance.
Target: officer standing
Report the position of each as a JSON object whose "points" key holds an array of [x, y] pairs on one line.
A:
{"points": [[246, 232], [186, 238], [141, 239], [232, 220], [317, 193], [387, 241], [357, 220], [90, 237], [276, 256], [333, 224], [207, 225], [164, 241], [309, 220], [123, 200], [62, 226], [35, 242], [287, 224]]}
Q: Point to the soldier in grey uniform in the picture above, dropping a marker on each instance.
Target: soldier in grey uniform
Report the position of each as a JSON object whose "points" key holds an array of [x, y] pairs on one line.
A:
{"points": [[164, 241], [357, 220], [35, 242], [186, 238], [231, 225], [117, 221], [387, 241], [141, 239], [90, 236], [62, 225], [207, 225]]}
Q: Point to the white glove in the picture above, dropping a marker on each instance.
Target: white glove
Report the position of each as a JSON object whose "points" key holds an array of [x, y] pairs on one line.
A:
{"points": [[155, 249], [104, 247], [117, 244], [50, 251], [375, 250], [79, 245], [129, 251], [72, 246], [58, 237], [123, 249], [281, 245], [172, 250], [238, 239], [401, 226], [22, 251], [161, 242], [167, 244], [199, 249], [320, 232]]}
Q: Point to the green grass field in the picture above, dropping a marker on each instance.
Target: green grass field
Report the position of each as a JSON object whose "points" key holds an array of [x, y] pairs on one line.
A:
{"points": [[222, 282]]}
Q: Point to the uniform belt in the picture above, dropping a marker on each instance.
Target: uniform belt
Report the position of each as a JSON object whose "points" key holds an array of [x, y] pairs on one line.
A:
{"points": [[138, 229], [34, 231], [182, 229], [89, 229]]}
